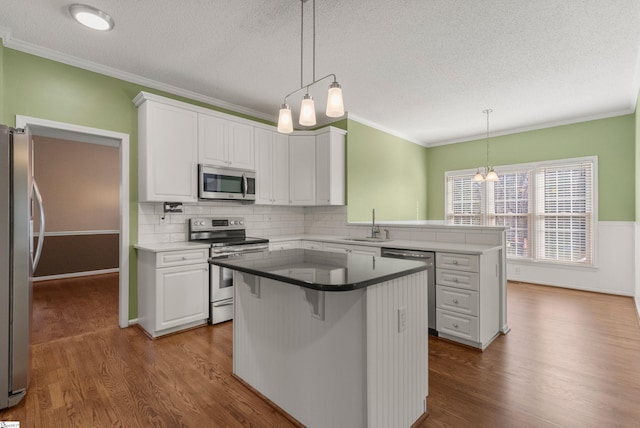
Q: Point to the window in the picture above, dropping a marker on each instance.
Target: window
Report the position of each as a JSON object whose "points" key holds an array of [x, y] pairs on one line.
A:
{"points": [[464, 200], [547, 209]]}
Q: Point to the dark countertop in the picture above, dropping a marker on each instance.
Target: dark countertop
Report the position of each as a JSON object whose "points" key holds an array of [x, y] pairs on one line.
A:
{"points": [[320, 270]]}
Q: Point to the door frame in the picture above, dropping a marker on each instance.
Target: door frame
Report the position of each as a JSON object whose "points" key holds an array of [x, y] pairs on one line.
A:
{"points": [[50, 128]]}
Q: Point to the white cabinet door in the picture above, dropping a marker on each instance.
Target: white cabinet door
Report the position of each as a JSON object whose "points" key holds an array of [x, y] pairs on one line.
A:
{"points": [[264, 166], [240, 146], [330, 167], [272, 167], [212, 140], [223, 142], [280, 171], [302, 170], [183, 295], [168, 153]]}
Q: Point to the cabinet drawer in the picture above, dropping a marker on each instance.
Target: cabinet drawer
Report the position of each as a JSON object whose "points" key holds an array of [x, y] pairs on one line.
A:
{"points": [[465, 262], [312, 245], [457, 300], [286, 245], [182, 257], [458, 279], [459, 325]]}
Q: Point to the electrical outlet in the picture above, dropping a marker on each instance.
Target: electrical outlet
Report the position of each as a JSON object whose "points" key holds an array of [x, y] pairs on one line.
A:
{"points": [[517, 270], [402, 319]]}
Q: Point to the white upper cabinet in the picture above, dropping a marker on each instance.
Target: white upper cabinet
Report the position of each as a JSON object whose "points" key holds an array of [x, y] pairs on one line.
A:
{"points": [[302, 170], [317, 167], [272, 167], [330, 167], [224, 142], [167, 152]]}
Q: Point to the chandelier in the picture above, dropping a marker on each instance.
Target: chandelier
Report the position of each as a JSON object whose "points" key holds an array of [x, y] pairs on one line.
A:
{"points": [[491, 174], [335, 105]]}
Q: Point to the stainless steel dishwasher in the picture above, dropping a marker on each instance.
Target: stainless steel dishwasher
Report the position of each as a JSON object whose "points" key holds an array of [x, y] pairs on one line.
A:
{"points": [[429, 258]]}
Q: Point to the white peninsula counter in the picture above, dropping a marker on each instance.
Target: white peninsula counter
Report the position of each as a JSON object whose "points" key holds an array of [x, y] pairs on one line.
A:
{"points": [[334, 340]]}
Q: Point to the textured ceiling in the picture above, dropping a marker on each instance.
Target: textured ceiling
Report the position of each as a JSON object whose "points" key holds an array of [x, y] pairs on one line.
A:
{"points": [[422, 69]]}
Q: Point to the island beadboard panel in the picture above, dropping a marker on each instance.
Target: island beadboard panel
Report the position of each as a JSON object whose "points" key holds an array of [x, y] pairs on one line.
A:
{"points": [[280, 346]]}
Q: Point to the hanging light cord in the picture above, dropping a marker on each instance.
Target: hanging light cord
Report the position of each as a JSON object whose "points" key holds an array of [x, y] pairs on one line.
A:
{"points": [[301, 42], [487, 111]]}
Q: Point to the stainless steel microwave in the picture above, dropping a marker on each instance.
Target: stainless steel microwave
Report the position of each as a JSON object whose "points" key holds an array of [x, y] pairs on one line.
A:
{"points": [[218, 183]]}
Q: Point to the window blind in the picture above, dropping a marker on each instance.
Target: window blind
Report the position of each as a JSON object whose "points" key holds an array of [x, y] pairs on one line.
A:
{"points": [[564, 213], [508, 206], [464, 200]]}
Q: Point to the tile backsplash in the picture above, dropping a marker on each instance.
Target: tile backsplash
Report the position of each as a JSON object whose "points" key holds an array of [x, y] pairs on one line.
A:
{"points": [[264, 221], [271, 221]]}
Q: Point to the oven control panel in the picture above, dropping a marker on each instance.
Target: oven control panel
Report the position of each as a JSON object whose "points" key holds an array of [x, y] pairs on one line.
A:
{"points": [[205, 224]]}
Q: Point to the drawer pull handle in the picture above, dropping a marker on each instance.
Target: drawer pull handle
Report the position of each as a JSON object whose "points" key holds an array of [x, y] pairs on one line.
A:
{"points": [[455, 301], [455, 326]]}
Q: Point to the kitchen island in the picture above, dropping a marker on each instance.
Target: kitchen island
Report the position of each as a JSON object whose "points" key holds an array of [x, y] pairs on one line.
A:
{"points": [[332, 339]]}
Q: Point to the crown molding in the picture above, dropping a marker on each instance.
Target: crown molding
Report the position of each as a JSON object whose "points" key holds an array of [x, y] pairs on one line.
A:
{"points": [[123, 75], [384, 129], [535, 127]]}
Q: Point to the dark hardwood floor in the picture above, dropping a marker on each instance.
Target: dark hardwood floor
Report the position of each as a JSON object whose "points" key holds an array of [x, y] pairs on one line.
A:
{"points": [[572, 359]]}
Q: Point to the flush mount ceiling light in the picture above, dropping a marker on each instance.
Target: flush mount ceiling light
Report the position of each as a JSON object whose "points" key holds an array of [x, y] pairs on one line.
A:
{"points": [[335, 104], [491, 174], [91, 17]]}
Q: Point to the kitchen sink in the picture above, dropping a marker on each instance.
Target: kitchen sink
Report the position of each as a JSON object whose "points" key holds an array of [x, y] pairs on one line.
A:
{"points": [[369, 239]]}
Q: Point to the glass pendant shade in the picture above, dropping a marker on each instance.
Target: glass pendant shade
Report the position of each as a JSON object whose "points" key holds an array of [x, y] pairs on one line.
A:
{"points": [[307, 111], [478, 177], [335, 104], [491, 175], [285, 121]]}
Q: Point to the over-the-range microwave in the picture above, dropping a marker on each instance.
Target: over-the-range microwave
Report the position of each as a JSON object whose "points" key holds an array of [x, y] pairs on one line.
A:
{"points": [[218, 183]]}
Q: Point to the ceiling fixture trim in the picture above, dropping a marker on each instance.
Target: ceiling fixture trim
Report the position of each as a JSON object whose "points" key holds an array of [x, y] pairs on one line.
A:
{"points": [[91, 17]]}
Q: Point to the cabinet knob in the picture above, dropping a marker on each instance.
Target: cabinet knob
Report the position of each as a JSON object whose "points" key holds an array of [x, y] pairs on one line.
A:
{"points": [[455, 326], [455, 301], [455, 279], [455, 262]]}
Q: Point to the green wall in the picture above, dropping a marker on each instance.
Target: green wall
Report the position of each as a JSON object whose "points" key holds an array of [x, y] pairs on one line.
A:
{"points": [[386, 173], [612, 140]]}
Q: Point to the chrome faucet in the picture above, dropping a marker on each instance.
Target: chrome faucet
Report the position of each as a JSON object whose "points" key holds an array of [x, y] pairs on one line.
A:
{"points": [[375, 229]]}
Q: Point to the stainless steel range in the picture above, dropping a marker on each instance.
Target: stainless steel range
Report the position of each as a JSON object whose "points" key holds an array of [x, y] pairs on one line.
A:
{"points": [[227, 237]]}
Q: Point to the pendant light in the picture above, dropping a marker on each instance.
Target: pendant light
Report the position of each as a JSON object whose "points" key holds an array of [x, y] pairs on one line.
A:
{"points": [[491, 174], [335, 103]]}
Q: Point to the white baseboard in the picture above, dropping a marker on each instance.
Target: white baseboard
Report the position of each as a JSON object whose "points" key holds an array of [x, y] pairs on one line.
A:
{"points": [[75, 274]]}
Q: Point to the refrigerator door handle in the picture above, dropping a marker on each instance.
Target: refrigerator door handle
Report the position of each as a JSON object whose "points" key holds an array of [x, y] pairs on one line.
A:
{"points": [[38, 198]]}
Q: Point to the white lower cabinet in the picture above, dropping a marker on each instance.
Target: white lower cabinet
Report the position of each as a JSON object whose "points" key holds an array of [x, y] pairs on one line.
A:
{"points": [[173, 290], [467, 297]]}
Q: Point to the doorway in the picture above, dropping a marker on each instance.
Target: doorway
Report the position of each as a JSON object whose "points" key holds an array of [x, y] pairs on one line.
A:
{"points": [[71, 132]]}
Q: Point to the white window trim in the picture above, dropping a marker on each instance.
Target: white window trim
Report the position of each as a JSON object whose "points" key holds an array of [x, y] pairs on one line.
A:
{"points": [[534, 165]]}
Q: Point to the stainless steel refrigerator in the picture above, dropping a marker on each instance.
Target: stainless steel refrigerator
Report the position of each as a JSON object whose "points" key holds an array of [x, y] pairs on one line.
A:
{"points": [[19, 200]]}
